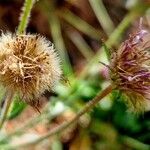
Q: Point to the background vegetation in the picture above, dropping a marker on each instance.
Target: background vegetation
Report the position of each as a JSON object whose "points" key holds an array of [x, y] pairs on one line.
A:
{"points": [[78, 29]]}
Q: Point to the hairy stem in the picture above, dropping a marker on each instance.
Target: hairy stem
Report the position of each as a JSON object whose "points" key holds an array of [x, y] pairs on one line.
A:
{"points": [[7, 103], [24, 17], [62, 127]]}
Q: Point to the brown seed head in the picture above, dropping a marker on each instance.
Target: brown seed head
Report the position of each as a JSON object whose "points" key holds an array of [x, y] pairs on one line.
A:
{"points": [[131, 69], [29, 65]]}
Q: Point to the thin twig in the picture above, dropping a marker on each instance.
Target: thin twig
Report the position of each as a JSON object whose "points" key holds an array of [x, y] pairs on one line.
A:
{"points": [[62, 127]]}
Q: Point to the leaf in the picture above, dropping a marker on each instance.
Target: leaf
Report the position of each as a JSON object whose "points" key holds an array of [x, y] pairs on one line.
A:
{"points": [[17, 107], [107, 50]]}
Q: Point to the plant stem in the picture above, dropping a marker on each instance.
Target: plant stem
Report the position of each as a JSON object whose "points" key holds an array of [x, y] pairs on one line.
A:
{"points": [[30, 123], [55, 28], [7, 103], [133, 143], [62, 127], [24, 17], [81, 44], [80, 24], [102, 16]]}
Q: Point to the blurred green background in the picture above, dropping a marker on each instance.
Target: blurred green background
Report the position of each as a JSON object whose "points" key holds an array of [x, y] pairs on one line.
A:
{"points": [[79, 29]]}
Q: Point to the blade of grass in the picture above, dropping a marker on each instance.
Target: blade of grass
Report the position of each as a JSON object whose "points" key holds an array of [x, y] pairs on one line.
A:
{"points": [[148, 17], [55, 29], [102, 15], [81, 44], [80, 24]]}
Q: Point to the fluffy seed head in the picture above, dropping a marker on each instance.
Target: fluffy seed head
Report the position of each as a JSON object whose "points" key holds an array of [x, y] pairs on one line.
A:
{"points": [[130, 69], [29, 65]]}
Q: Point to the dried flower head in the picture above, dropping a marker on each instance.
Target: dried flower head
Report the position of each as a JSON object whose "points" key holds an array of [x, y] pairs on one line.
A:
{"points": [[130, 69], [29, 65]]}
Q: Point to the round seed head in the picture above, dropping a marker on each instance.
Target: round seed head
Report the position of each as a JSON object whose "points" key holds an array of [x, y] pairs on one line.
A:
{"points": [[29, 65]]}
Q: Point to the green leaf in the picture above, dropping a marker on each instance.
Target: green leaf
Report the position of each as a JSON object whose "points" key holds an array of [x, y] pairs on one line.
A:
{"points": [[107, 50], [17, 107]]}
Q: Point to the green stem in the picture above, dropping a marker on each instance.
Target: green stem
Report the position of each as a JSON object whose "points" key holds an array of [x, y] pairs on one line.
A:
{"points": [[24, 18], [63, 126], [133, 143], [7, 103], [80, 24], [102, 15], [55, 28], [81, 44]]}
